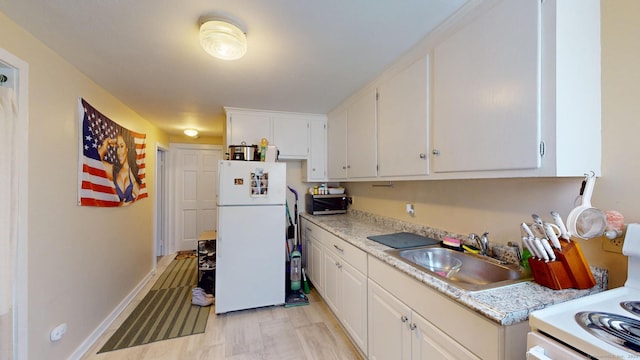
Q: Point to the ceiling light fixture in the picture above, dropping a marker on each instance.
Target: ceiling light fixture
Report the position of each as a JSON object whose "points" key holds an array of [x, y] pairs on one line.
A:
{"points": [[222, 39], [191, 132]]}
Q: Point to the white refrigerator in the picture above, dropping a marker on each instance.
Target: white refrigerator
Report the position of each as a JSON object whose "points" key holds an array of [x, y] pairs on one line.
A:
{"points": [[250, 244]]}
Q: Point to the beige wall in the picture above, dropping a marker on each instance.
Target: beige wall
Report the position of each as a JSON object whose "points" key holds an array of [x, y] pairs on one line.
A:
{"points": [[499, 206], [82, 261]]}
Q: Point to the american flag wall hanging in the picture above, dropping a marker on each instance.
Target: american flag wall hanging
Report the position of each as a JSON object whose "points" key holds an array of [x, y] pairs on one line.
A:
{"points": [[112, 161]]}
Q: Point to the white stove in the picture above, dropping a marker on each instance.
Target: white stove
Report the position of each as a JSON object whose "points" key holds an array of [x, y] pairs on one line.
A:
{"points": [[603, 325]]}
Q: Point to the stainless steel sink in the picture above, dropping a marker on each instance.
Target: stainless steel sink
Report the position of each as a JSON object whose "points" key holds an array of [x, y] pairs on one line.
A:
{"points": [[476, 273]]}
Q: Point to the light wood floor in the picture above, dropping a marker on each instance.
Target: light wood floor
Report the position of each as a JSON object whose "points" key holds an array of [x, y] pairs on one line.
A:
{"points": [[279, 333]]}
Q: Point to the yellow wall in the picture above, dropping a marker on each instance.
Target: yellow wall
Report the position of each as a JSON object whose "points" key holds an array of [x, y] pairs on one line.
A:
{"points": [[82, 261], [499, 206]]}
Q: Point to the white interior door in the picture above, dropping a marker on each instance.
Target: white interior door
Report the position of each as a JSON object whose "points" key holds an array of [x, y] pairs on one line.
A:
{"points": [[195, 168], [161, 203], [14, 131]]}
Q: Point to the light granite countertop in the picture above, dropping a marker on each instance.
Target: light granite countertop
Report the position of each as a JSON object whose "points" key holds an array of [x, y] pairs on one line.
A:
{"points": [[505, 305]]}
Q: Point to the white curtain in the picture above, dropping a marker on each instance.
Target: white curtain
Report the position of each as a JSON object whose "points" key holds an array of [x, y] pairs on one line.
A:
{"points": [[8, 218]]}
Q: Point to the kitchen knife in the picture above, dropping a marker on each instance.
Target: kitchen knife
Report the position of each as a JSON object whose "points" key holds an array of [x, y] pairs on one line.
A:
{"points": [[526, 242], [538, 245], [563, 229], [552, 236], [527, 230], [548, 249], [535, 249], [538, 226]]}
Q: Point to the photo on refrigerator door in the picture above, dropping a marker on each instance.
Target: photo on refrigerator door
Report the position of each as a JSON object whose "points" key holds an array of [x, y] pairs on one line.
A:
{"points": [[259, 183]]}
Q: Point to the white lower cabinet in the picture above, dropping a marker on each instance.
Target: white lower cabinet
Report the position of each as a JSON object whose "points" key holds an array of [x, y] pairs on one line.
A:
{"points": [[312, 249], [338, 273], [391, 316], [345, 288], [397, 332], [314, 269]]}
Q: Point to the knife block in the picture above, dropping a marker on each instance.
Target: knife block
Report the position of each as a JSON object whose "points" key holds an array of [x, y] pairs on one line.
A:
{"points": [[569, 270], [551, 274]]}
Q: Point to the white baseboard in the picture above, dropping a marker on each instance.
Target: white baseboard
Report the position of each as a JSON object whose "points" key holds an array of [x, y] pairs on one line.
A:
{"points": [[95, 335]]}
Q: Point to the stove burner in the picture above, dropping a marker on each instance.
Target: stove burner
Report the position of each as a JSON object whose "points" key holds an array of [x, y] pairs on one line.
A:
{"points": [[621, 331], [631, 306]]}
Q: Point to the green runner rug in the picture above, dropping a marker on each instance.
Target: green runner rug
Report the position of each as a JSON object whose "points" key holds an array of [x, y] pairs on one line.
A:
{"points": [[165, 312]]}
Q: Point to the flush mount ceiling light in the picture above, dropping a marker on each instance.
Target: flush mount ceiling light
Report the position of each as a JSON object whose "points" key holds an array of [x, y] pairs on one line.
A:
{"points": [[191, 132], [222, 39]]}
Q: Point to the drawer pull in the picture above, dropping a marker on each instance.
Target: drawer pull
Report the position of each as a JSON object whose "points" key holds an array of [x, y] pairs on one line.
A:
{"points": [[338, 248]]}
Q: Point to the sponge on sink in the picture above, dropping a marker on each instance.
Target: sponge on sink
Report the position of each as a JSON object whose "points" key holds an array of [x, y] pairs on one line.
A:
{"points": [[471, 249], [451, 243]]}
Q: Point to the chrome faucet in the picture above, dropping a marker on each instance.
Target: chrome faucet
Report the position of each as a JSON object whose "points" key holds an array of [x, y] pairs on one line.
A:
{"points": [[483, 242]]}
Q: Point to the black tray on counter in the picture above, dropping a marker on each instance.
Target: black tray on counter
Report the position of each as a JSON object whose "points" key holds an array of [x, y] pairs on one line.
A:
{"points": [[403, 240]]}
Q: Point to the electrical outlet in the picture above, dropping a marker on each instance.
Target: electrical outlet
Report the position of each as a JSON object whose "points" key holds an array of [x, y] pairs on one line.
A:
{"points": [[614, 246], [410, 209]]}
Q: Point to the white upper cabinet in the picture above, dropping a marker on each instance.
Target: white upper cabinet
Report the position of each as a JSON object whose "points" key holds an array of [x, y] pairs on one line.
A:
{"points": [[361, 137], [247, 127], [289, 132], [290, 135], [337, 145], [403, 122], [571, 87], [501, 89], [517, 92], [486, 108], [351, 139], [317, 161]]}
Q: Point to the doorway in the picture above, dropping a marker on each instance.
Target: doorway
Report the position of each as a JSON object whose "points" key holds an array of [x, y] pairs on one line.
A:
{"points": [[161, 201], [194, 184], [14, 134]]}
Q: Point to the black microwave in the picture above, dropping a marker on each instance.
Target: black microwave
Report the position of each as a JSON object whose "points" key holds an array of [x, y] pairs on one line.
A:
{"points": [[326, 204]]}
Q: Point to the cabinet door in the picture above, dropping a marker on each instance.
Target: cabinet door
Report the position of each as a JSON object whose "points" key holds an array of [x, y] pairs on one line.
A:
{"points": [[331, 280], [403, 122], [314, 269], [486, 110], [337, 146], [248, 127], [361, 137], [291, 136], [353, 298], [431, 343], [388, 324], [317, 161], [313, 251]]}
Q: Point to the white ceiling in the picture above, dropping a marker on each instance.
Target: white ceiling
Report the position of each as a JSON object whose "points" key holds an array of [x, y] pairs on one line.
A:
{"points": [[303, 55]]}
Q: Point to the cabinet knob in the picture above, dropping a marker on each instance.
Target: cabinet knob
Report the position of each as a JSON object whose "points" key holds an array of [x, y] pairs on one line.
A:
{"points": [[423, 156], [404, 318], [436, 152], [348, 166], [344, 168], [412, 326]]}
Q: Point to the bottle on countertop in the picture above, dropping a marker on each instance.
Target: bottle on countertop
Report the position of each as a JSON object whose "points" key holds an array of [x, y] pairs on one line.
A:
{"points": [[263, 149]]}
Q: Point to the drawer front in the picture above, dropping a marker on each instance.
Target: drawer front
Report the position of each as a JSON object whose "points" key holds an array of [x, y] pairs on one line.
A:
{"points": [[349, 253], [313, 231]]}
